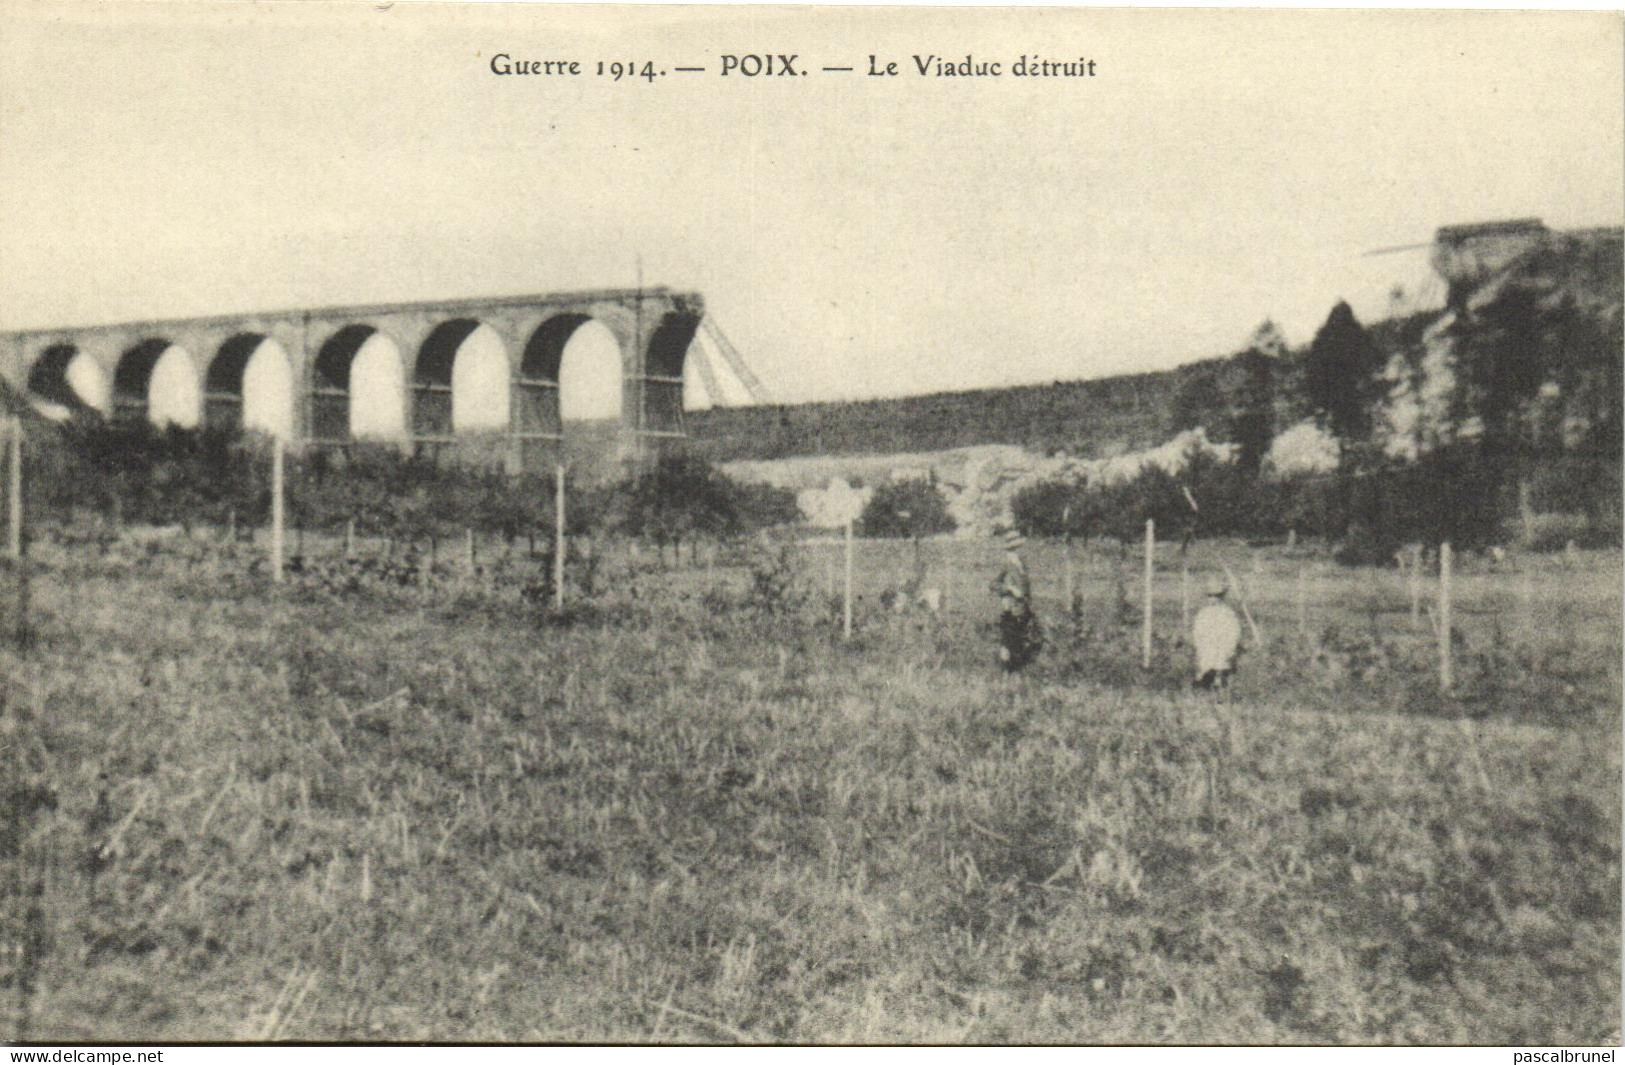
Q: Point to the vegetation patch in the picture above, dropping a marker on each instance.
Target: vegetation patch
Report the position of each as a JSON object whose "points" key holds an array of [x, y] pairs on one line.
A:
{"points": [[435, 810]]}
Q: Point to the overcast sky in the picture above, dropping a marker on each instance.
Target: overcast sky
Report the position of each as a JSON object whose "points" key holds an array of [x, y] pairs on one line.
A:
{"points": [[855, 236]]}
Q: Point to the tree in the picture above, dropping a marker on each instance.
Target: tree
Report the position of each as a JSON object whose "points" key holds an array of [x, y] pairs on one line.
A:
{"points": [[682, 497], [1052, 507], [1198, 402], [1252, 418], [765, 506], [1341, 379], [908, 508], [1541, 374], [1506, 366]]}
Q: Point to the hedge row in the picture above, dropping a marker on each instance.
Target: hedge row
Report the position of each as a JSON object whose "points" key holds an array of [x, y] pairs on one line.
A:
{"points": [[138, 474], [1461, 494]]}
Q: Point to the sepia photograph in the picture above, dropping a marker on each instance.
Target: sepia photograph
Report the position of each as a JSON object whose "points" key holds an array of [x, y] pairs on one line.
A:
{"points": [[810, 526]]}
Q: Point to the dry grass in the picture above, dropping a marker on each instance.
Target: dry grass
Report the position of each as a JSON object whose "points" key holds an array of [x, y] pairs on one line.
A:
{"points": [[404, 816]]}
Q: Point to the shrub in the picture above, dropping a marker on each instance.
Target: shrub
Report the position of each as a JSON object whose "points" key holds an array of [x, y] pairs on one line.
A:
{"points": [[774, 590], [1054, 507], [686, 498], [1231, 501], [765, 506], [138, 473], [906, 509]]}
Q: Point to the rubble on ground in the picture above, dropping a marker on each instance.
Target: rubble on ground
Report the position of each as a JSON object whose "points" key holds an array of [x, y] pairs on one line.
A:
{"points": [[978, 482]]}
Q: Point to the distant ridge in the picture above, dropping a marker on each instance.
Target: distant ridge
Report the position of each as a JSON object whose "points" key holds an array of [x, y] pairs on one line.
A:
{"points": [[1110, 416], [1102, 416]]}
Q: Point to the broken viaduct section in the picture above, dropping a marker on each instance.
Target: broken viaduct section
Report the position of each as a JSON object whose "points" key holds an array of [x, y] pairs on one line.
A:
{"points": [[652, 328]]}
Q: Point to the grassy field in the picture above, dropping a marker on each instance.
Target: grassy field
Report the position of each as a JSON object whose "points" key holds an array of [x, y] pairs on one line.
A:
{"points": [[686, 811]]}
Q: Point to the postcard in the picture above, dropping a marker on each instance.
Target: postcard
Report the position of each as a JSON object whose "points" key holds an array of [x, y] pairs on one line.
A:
{"points": [[535, 524]]}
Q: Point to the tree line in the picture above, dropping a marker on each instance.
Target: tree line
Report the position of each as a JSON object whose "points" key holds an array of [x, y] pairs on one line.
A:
{"points": [[1482, 425], [136, 473]]}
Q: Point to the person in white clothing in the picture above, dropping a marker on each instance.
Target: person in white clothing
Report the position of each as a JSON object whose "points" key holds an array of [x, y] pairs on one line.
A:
{"points": [[1216, 635]]}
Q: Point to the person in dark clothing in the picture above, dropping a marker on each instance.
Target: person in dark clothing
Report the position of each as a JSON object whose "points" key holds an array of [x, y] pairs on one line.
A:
{"points": [[1019, 635]]}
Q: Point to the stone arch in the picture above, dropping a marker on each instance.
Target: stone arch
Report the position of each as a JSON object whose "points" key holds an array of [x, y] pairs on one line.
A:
{"points": [[595, 370], [482, 383], [431, 378], [536, 411], [663, 372], [333, 402], [223, 381], [175, 390], [544, 352], [50, 378], [669, 344], [133, 379], [229, 386]]}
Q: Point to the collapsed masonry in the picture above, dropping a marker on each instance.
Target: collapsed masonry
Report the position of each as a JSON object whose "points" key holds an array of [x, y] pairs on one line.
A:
{"points": [[979, 483]]}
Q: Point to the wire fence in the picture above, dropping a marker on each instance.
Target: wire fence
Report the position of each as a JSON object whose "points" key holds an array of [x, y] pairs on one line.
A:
{"points": [[1429, 605]]}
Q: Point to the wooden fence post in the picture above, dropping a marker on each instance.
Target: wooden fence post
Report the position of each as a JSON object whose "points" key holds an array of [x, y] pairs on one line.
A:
{"points": [[846, 616], [1526, 593], [276, 510], [1446, 674], [1303, 602], [1066, 552], [24, 633], [1184, 597], [1415, 575], [558, 537], [1150, 562], [14, 491]]}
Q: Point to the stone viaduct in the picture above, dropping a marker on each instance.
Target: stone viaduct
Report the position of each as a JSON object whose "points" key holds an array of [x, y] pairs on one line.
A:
{"points": [[653, 328]]}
